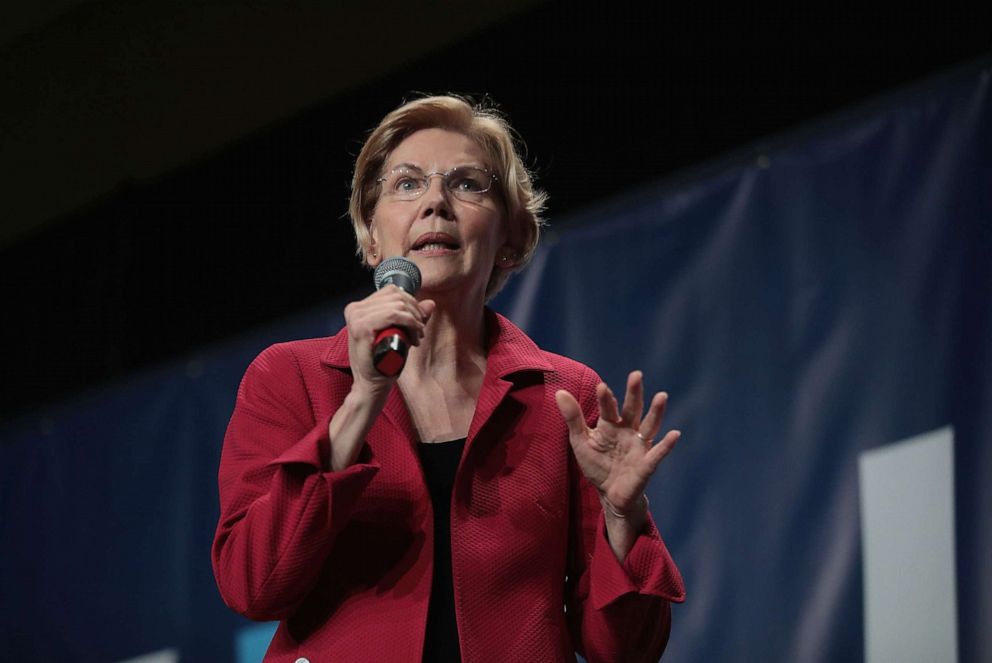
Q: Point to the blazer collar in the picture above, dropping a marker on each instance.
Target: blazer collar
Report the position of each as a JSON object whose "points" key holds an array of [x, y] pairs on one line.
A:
{"points": [[336, 352], [510, 349]]}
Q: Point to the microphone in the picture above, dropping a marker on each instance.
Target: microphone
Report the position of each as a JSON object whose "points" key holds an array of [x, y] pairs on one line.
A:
{"points": [[392, 344]]}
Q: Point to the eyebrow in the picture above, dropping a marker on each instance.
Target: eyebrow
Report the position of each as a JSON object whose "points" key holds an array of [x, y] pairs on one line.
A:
{"points": [[421, 170], [406, 165]]}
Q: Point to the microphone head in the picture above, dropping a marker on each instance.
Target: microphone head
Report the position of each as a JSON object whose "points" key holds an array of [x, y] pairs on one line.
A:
{"points": [[398, 271]]}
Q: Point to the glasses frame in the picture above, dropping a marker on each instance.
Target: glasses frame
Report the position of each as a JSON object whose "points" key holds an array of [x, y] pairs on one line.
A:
{"points": [[493, 178]]}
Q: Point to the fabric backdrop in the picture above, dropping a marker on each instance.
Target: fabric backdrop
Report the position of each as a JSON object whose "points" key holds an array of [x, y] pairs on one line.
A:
{"points": [[803, 301]]}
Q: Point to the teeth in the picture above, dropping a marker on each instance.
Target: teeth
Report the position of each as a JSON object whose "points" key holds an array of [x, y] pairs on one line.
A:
{"points": [[432, 246]]}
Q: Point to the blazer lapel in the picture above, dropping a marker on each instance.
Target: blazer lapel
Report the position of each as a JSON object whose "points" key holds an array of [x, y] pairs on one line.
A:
{"points": [[397, 414], [513, 366], [395, 410]]}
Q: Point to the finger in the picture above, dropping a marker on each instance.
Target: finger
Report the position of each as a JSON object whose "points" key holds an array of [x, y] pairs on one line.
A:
{"points": [[392, 297], [633, 400], [607, 404], [427, 308], [652, 420], [571, 413], [380, 308], [424, 310], [395, 307], [409, 320], [658, 452], [401, 299]]}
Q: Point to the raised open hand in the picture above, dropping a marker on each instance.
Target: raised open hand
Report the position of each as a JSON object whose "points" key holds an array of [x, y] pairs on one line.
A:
{"points": [[619, 456]]}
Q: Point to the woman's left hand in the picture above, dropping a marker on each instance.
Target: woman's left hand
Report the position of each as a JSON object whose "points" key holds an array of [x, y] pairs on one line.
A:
{"points": [[619, 456]]}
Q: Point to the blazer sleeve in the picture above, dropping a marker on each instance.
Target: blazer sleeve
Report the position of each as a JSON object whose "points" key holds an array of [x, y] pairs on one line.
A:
{"points": [[280, 507], [616, 611]]}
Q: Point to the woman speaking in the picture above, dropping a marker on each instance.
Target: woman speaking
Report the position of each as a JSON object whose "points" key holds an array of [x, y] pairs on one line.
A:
{"points": [[486, 503]]}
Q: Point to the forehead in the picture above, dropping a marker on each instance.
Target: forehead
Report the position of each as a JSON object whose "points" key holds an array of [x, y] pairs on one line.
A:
{"points": [[437, 149]]}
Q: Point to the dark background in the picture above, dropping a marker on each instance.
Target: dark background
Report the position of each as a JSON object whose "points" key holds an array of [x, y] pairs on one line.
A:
{"points": [[249, 228]]}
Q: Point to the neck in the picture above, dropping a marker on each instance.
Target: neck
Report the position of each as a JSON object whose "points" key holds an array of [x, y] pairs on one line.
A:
{"points": [[454, 341]]}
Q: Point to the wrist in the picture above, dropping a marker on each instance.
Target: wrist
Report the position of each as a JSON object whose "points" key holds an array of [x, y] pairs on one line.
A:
{"points": [[351, 423], [624, 526], [366, 393], [636, 510]]}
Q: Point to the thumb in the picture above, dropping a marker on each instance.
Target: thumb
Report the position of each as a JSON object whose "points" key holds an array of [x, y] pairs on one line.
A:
{"points": [[427, 307], [570, 412]]}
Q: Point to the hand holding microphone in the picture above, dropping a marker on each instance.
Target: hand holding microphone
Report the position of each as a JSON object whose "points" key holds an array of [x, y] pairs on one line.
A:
{"points": [[390, 319], [392, 344]]}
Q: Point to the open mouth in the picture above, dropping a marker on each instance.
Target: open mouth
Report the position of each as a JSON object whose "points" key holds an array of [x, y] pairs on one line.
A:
{"points": [[435, 242]]}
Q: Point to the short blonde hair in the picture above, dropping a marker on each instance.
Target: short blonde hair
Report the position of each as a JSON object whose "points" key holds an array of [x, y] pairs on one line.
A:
{"points": [[522, 202]]}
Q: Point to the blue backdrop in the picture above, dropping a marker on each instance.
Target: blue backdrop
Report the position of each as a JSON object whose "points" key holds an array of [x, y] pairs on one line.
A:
{"points": [[802, 301]]}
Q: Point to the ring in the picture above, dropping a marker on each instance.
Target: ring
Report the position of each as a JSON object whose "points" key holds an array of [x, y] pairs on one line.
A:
{"points": [[643, 439]]}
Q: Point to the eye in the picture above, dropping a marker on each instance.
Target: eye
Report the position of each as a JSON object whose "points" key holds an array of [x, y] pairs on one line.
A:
{"points": [[407, 184], [468, 180]]}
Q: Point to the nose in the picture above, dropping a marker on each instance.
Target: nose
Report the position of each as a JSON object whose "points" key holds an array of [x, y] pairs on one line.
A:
{"points": [[436, 200]]}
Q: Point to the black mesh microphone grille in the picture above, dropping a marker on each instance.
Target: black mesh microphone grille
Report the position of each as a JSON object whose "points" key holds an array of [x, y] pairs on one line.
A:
{"points": [[396, 270]]}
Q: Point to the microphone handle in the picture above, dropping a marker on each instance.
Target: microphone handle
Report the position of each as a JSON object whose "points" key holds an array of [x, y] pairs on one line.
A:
{"points": [[389, 350]]}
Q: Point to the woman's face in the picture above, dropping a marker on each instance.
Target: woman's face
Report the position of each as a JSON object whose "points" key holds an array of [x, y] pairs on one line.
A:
{"points": [[454, 240]]}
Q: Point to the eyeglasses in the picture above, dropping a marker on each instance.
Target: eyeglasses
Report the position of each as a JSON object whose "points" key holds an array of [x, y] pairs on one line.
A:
{"points": [[466, 183]]}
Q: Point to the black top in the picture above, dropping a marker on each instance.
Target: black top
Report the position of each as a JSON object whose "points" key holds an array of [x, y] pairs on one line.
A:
{"points": [[440, 462]]}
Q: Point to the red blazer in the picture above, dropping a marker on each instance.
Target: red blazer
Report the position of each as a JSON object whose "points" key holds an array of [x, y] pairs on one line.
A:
{"points": [[344, 559]]}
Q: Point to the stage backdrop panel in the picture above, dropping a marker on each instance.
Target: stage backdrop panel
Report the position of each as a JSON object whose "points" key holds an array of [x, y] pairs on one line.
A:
{"points": [[803, 302]]}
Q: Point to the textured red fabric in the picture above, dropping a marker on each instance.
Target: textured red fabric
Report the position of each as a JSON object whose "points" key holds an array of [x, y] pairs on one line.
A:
{"points": [[344, 559]]}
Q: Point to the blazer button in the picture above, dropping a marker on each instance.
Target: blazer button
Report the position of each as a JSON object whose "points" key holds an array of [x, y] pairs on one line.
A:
{"points": [[302, 660]]}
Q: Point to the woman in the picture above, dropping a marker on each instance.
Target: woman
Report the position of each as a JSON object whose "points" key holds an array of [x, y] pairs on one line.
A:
{"points": [[485, 505]]}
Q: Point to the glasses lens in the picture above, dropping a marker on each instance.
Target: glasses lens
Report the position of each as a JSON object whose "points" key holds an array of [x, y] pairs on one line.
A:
{"points": [[468, 182], [405, 183], [465, 182]]}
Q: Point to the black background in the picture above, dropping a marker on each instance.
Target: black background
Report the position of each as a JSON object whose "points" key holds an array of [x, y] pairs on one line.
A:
{"points": [[605, 100]]}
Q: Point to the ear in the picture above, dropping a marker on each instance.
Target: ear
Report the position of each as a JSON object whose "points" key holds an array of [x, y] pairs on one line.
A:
{"points": [[507, 257], [508, 254], [372, 257]]}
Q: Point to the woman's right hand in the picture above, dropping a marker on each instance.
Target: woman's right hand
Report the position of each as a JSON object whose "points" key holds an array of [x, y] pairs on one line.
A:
{"points": [[388, 307]]}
